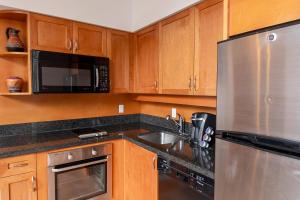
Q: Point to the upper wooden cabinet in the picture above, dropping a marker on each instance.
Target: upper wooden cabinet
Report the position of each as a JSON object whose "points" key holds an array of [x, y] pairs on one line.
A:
{"points": [[51, 34], [118, 47], [146, 44], [248, 15], [140, 173], [208, 31], [89, 39], [177, 53], [60, 35]]}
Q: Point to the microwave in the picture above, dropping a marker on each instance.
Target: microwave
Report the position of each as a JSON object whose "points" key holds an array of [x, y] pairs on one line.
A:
{"points": [[54, 72]]}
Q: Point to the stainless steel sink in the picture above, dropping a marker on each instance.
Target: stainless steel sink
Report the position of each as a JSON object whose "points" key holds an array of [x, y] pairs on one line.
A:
{"points": [[160, 137]]}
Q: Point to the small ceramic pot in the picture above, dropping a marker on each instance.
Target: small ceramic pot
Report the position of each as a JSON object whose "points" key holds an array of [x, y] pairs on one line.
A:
{"points": [[14, 84]]}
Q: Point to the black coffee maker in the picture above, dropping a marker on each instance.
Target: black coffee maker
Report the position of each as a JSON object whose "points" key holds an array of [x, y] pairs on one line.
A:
{"points": [[204, 126]]}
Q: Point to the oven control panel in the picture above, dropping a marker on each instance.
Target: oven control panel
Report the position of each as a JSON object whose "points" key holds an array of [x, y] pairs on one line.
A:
{"points": [[63, 157]]}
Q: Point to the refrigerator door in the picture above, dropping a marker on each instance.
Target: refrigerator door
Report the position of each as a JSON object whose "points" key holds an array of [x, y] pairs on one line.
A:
{"points": [[247, 173], [258, 84]]}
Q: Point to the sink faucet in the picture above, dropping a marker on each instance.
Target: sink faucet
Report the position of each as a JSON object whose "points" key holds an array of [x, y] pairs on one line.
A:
{"points": [[179, 124]]}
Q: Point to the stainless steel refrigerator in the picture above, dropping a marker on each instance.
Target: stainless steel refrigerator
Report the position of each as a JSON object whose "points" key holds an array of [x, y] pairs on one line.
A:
{"points": [[258, 116]]}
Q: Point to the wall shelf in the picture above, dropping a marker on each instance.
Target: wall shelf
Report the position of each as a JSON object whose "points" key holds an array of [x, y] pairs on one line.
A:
{"points": [[15, 94], [13, 54]]}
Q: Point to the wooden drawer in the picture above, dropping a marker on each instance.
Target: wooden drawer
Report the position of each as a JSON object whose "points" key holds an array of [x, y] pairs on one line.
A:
{"points": [[17, 165]]}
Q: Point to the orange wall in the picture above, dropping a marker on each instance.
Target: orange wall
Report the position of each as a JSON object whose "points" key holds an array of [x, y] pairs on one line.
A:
{"points": [[21, 109], [163, 109], [49, 107]]}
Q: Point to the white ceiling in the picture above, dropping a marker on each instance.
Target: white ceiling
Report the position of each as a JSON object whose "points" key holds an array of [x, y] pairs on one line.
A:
{"points": [[129, 15]]}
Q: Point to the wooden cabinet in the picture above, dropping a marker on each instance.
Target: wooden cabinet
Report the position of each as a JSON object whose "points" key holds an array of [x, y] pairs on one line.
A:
{"points": [[51, 33], [18, 187], [61, 35], [177, 53], [118, 46], [146, 44], [208, 31], [140, 174], [89, 40], [248, 15], [18, 178]]}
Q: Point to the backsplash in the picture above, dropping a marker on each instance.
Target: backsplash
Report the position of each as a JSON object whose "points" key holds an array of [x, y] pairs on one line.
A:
{"points": [[48, 126]]}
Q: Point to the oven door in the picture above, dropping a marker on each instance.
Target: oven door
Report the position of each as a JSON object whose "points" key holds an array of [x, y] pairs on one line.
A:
{"points": [[89, 179]]}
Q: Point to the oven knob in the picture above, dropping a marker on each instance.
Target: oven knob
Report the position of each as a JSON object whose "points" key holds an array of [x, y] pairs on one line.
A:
{"points": [[94, 152], [70, 156]]}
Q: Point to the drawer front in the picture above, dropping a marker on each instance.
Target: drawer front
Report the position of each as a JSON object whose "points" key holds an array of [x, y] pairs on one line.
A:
{"points": [[17, 165]]}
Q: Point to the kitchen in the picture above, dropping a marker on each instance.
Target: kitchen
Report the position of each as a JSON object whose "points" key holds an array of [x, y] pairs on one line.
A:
{"points": [[165, 100]]}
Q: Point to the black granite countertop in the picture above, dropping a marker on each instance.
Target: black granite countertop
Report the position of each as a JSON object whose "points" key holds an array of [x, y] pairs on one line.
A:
{"points": [[201, 161]]}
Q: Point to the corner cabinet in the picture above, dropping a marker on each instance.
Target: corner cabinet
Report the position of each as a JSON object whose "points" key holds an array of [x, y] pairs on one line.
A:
{"points": [[208, 32], [146, 48], [140, 174], [118, 49], [176, 58], [249, 15]]}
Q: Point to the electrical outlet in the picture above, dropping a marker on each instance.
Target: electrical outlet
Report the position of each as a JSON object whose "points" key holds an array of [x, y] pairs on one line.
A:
{"points": [[173, 113], [121, 108]]}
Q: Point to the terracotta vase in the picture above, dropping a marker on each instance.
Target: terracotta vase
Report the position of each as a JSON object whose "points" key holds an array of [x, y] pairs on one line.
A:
{"points": [[14, 84], [14, 42]]}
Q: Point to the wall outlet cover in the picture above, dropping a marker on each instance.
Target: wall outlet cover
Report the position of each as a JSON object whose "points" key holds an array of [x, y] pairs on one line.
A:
{"points": [[121, 108], [173, 113]]}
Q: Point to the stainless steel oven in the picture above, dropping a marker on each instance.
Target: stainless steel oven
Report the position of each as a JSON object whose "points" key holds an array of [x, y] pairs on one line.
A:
{"points": [[83, 173]]}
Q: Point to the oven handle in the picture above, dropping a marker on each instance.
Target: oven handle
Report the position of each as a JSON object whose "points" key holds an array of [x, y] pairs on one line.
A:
{"points": [[78, 166]]}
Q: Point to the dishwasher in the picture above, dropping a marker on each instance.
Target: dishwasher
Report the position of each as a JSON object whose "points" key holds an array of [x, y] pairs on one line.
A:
{"points": [[177, 182]]}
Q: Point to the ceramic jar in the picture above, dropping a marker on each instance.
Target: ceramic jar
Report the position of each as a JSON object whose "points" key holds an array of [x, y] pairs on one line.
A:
{"points": [[14, 84]]}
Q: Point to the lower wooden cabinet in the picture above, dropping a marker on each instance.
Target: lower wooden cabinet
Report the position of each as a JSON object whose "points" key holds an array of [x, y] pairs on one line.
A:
{"points": [[19, 187], [140, 173]]}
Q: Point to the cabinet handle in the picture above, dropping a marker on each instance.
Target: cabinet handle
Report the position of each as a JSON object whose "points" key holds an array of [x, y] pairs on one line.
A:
{"points": [[75, 45], [195, 83], [33, 181], [190, 83], [70, 44], [18, 165], [153, 162], [156, 85]]}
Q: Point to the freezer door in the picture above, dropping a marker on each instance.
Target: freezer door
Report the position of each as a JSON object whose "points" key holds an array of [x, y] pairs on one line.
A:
{"points": [[259, 82], [247, 173]]}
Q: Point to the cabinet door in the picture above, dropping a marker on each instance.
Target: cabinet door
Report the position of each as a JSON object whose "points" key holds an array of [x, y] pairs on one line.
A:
{"points": [[50, 33], [18, 187], [146, 60], [248, 15], [209, 30], [89, 40], [140, 174], [177, 53], [118, 45]]}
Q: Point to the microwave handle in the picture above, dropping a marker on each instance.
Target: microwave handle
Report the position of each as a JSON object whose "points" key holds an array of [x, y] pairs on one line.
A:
{"points": [[97, 77], [78, 166]]}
